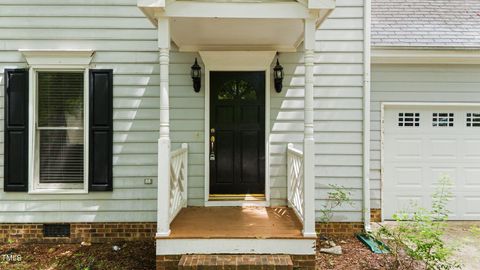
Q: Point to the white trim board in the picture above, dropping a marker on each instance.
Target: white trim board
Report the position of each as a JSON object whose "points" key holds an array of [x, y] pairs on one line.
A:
{"points": [[235, 246], [78, 58], [34, 186], [237, 61], [424, 56]]}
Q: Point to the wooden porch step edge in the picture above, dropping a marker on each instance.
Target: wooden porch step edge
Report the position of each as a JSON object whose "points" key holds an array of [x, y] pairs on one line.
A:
{"points": [[193, 261], [234, 237]]}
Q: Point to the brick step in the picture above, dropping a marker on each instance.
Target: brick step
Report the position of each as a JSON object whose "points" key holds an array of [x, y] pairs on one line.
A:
{"points": [[234, 262]]}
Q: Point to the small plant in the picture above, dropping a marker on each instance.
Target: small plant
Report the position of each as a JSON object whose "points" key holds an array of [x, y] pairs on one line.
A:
{"points": [[475, 230], [416, 239], [336, 198]]}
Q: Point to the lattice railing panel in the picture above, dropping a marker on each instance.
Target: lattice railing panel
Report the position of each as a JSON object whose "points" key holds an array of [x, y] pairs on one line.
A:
{"points": [[295, 181]]}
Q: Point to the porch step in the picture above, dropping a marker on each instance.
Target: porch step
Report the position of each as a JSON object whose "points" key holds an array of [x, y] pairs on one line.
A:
{"points": [[233, 262]]}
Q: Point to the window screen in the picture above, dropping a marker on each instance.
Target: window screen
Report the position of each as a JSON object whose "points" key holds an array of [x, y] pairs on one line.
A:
{"points": [[60, 127]]}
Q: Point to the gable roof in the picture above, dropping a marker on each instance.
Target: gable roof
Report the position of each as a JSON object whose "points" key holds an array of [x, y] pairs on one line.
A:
{"points": [[426, 23]]}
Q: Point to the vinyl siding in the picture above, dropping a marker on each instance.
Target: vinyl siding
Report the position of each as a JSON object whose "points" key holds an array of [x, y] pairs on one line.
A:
{"points": [[338, 111], [415, 83], [125, 41]]}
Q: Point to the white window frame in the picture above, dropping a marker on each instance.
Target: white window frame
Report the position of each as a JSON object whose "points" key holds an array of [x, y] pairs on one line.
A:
{"points": [[33, 147], [55, 61]]}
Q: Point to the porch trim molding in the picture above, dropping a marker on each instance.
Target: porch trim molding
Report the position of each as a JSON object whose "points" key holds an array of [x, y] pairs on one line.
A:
{"points": [[163, 186], [305, 246], [237, 61], [270, 10], [309, 140]]}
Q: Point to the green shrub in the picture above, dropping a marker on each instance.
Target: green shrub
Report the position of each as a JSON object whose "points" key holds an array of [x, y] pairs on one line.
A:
{"points": [[416, 239], [336, 198]]}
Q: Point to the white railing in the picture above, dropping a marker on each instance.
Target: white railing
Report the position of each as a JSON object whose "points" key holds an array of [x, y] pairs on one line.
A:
{"points": [[295, 181], [178, 180]]}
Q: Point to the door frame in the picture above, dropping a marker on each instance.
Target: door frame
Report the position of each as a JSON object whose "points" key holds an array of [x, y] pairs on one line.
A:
{"points": [[237, 61], [405, 104]]}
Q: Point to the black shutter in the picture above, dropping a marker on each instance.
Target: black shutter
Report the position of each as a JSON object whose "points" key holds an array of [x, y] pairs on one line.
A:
{"points": [[101, 130], [16, 130]]}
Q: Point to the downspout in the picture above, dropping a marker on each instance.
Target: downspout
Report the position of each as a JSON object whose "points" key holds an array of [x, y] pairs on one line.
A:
{"points": [[366, 114]]}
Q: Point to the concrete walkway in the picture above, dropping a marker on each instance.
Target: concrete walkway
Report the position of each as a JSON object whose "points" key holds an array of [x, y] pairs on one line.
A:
{"points": [[459, 236]]}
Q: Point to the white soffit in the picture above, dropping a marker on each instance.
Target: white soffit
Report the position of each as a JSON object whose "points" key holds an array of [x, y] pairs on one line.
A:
{"points": [[236, 34], [58, 57]]}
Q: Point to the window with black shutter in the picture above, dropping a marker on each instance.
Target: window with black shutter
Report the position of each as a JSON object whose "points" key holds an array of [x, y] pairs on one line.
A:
{"points": [[71, 124]]}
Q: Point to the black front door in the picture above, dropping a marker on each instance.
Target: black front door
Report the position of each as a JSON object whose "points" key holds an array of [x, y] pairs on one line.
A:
{"points": [[237, 132]]}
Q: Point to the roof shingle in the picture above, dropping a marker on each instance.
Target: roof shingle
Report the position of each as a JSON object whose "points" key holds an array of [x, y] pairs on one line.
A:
{"points": [[426, 23]]}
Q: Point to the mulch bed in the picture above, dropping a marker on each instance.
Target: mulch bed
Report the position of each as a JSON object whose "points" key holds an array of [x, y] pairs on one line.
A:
{"points": [[137, 255], [356, 256]]}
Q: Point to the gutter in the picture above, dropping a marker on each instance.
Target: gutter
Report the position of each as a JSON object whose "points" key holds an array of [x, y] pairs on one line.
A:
{"points": [[366, 114]]}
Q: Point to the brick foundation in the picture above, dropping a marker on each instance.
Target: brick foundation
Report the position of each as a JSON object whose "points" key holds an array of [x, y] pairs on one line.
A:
{"points": [[339, 228], [89, 232], [376, 215], [303, 262], [168, 262]]}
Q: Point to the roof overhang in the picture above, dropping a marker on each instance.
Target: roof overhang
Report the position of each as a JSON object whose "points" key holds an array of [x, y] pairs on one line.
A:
{"points": [[415, 55], [203, 26]]}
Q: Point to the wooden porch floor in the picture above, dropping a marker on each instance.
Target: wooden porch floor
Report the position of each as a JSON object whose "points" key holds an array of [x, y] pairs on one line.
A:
{"points": [[236, 222]]}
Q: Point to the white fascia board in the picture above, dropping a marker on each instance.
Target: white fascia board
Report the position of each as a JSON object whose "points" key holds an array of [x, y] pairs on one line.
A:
{"points": [[278, 10], [197, 48], [237, 60], [150, 8], [57, 57], [169, 246], [151, 3], [321, 4], [424, 56]]}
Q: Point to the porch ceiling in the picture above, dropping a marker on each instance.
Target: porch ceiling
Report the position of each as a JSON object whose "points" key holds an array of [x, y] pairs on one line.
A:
{"points": [[261, 25]]}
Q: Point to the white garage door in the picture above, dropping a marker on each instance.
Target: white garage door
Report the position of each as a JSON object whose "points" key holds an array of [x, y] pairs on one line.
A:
{"points": [[422, 143]]}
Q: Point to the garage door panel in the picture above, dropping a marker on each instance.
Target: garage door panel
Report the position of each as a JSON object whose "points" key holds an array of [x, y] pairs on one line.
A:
{"points": [[410, 177], [472, 207], [422, 144], [407, 148], [472, 178], [443, 148], [471, 148]]}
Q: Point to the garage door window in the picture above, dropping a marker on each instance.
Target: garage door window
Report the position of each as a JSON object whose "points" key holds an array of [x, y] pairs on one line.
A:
{"points": [[473, 119], [443, 119], [408, 119]]}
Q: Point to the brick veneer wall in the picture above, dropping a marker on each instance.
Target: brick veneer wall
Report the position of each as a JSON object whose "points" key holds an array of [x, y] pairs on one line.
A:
{"points": [[376, 215], [89, 232], [339, 228]]}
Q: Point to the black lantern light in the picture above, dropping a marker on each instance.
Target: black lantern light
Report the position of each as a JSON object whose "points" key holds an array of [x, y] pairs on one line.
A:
{"points": [[196, 76], [278, 77]]}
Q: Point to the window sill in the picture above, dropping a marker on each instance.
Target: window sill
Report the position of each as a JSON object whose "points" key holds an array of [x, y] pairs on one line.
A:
{"points": [[58, 191]]}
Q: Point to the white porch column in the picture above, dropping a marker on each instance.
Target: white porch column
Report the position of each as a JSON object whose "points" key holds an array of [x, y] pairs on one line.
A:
{"points": [[309, 140], [163, 196]]}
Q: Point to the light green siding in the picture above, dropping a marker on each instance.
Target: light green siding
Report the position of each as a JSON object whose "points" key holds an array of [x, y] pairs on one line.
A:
{"points": [[338, 111], [123, 40], [415, 83]]}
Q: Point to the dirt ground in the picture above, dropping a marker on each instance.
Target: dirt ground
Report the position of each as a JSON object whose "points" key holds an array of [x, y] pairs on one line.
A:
{"points": [[467, 245], [137, 255]]}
